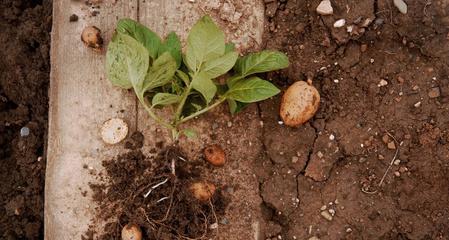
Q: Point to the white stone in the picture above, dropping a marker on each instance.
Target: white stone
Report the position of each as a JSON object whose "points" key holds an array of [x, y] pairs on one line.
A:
{"points": [[382, 83], [339, 23], [401, 5], [325, 8]]}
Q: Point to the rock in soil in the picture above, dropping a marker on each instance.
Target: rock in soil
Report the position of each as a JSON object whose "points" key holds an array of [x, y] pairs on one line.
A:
{"points": [[325, 8]]}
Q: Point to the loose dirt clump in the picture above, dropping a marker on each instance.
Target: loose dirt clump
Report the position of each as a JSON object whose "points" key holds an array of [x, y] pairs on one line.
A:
{"points": [[155, 195], [24, 76]]}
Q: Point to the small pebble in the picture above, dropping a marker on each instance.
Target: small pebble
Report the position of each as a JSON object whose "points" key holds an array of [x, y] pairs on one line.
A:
{"points": [[213, 226], [339, 23], [229, 124], [434, 92], [382, 83], [323, 207], [397, 162], [325, 8], [397, 174], [417, 105], [295, 159], [320, 154], [348, 230], [380, 157], [391, 145], [25, 131], [314, 238], [326, 215], [332, 212], [332, 137], [401, 6], [403, 169]]}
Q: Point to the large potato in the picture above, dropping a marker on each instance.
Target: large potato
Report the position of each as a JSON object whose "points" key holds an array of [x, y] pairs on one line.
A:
{"points": [[299, 103]]}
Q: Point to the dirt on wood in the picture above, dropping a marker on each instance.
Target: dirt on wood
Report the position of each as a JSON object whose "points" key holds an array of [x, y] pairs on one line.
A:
{"points": [[157, 198], [24, 76]]}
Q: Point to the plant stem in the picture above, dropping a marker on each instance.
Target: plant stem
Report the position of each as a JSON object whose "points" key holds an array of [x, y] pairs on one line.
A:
{"points": [[185, 94], [152, 114], [218, 102]]}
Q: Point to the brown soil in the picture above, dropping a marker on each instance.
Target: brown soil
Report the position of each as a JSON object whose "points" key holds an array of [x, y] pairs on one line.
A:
{"points": [[333, 164], [169, 211], [24, 76]]}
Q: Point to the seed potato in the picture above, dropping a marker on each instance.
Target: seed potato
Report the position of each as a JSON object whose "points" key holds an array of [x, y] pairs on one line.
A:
{"points": [[91, 37], [131, 232], [299, 103], [215, 155], [203, 191]]}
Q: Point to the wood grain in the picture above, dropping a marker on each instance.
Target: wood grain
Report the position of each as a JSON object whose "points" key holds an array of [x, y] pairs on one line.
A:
{"points": [[81, 99]]}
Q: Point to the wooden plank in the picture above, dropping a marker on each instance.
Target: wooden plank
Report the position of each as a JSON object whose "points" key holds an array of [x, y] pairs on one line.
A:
{"points": [[244, 215], [81, 99]]}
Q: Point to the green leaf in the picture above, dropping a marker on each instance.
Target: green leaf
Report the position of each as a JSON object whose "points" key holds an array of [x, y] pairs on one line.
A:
{"points": [[149, 39], [264, 61], [204, 85], [219, 66], [126, 62], [164, 99], [172, 44], [205, 42], [189, 133], [252, 90], [184, 77], [229, 47], [236, 107], [116, 67], [161, 72]]}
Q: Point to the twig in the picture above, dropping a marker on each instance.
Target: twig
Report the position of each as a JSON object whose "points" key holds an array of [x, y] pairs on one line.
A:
{"points": [[389, 166]]}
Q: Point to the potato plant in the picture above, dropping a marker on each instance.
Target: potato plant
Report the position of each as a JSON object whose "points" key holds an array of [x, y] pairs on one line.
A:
{"points": [[162, 76]]}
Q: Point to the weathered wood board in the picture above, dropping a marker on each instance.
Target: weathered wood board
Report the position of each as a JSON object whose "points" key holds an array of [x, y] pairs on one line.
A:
{"points": [[81, 99]]}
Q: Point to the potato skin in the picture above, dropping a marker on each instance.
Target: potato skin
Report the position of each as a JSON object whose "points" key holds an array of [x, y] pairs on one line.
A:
{"points": [[131, 232], [91, 37], [299, 103], [215, 155], [203, 191]]}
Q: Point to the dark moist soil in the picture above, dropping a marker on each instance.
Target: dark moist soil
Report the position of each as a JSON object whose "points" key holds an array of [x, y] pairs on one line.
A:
{"points": [[24, 75], [169, 211], [338, 159]]}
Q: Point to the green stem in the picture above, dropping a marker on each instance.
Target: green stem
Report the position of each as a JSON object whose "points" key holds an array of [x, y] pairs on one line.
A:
{"points": [[152, 114], [218, 102], [185, 94]]}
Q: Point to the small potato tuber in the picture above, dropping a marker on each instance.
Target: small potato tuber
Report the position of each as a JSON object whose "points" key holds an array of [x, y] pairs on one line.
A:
{"points": [[91, 37], [131, 232], [203, 191], [299, 103], [215, 155]]}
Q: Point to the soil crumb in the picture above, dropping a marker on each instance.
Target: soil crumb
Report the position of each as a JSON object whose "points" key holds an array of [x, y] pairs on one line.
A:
{"points": [[154, 194]]}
